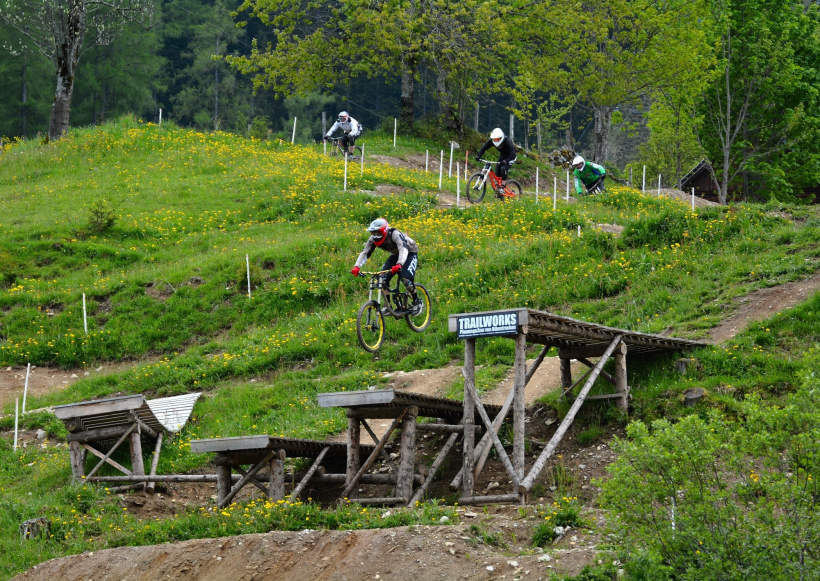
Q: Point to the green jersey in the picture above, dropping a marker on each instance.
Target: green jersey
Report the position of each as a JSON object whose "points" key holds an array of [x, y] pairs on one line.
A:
{"points": [[589, 175]]}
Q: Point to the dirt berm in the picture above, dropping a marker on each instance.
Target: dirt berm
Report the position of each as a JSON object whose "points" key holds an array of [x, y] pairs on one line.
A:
{"points": [[417, 553]]}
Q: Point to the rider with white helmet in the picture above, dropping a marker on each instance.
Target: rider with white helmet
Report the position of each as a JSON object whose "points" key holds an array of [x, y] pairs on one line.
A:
{"points": [[403, 257], [352, 129], [506, 152], [589, 174]]}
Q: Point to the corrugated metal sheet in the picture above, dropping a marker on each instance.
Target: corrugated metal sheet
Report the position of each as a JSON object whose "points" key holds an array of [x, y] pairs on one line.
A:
{"points": [[167, 413], [173, 412]]}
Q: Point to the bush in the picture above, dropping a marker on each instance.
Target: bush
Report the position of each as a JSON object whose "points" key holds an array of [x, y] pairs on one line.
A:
{"points": [[544, 534], [101, 216], [707, 499]]}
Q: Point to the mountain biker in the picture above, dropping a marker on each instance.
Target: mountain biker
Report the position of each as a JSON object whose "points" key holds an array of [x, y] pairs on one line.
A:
{"points": [[403, 257], [506, 152], [590, 174], [351, 128]]}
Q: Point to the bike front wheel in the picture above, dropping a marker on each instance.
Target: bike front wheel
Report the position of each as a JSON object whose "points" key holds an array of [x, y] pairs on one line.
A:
{"points": [[420, 321], [340, 152], [370, 326], [476, 187]]}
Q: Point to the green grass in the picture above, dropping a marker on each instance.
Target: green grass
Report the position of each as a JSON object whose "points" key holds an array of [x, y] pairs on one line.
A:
{"points": [[165, 286]]}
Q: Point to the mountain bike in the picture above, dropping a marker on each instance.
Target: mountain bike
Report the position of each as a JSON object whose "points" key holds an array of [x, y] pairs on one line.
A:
{"points": [[477, 184], [393, 301], [336, 148]]}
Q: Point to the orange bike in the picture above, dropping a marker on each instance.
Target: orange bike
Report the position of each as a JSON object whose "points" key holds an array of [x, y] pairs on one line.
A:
{"points": [[477, 184]]}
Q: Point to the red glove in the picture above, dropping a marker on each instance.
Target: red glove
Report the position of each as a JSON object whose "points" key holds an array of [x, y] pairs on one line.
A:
{"points": [[396, 268], [355, 271]]}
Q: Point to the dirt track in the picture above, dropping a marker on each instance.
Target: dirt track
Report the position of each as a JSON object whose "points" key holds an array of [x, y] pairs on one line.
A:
{"points": [[417, 553]]}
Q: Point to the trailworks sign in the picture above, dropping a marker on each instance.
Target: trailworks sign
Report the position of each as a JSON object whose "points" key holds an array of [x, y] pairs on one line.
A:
{"points": [[495, 325]]}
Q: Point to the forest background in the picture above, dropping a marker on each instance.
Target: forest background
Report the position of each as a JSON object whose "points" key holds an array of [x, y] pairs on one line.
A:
{"points": [[625, 82]]}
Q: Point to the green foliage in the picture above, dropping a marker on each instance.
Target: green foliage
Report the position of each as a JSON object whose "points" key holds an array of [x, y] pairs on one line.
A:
{"points": [[706, 498], [101, 216], [544, 534], [483, 536], [589, 435]]}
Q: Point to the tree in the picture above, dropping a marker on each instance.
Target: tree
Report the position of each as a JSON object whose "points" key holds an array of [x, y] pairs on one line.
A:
{"points": [[761, 107], [62, 30], [24, 92], [320, 45]]}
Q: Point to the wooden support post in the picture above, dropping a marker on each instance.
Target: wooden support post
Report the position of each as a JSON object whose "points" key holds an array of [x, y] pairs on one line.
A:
{"points": [[407, 452], [499, 448], [620, 377], [433, 469], [248, 476], [75, 452], [353, 435], [276, 486], [375, 438], [99, 454], [154, 461], [566, 373], [604, 374], [106, 457], [351, 486], [137, 465], [252, 479], [468, 443], [498, 499], [484, 446], [223, 483], [315, 466], [527, 483], [519, 417]]}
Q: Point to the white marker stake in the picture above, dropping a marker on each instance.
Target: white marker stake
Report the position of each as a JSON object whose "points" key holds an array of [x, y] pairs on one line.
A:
{"points": [[450, 169], [324, 142], [362, 159], [160, 116], [248, 265], [293, 135], [426, 159], [16, 416], [25, 388], [644, 179], [659, 185], [440, 169], [567, 186], [458, 187], [693, 200], [554, 192], [395, 126], [85, 319], [345, 171], [579, 230], [536, 185]]}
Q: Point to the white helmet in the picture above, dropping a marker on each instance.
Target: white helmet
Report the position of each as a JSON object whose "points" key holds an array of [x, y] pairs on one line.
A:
{"points": [[343, 117], [497, 136], [578, 163]]}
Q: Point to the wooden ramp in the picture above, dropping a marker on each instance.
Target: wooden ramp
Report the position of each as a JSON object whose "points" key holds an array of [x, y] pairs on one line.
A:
{"points": [[403, 408], [92, 425], [573, 339]]}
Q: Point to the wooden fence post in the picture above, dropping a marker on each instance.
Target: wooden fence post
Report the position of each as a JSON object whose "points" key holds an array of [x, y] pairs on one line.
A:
{"points": [[468, 458], [620, 377], [519, 417]]}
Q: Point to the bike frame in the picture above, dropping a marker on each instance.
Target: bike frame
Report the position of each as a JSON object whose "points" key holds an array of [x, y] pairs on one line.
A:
{"points": [[495, 181]]}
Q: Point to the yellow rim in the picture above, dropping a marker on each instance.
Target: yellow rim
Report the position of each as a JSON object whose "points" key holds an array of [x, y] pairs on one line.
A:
{"points": [[367, 327], [427, 309]]}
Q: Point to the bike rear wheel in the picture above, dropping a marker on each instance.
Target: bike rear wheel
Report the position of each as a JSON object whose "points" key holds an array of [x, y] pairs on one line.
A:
{"points": [[420, 322], [339, 151], [476, 188], [512, 187], [370, 326]]}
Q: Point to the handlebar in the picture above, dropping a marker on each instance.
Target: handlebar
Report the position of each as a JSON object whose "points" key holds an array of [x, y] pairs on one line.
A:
{"points": [[488, 161], [363, 273]]}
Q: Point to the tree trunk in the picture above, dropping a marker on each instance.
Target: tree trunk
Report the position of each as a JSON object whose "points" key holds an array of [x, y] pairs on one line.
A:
{"points": [[24, 100], [407, 94], [445, 103], [66, 61], [603, 123], [61, 107]]}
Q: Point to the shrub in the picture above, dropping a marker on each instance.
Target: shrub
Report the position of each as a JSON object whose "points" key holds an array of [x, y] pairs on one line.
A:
{"points": [[101, 216], [707, 499], [544, 534]]}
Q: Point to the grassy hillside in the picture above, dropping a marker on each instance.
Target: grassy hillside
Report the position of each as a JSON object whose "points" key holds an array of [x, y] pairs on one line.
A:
{"points": [[165, 285]]}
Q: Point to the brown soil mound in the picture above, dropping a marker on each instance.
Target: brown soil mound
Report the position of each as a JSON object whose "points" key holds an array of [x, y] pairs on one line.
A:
{"points": [[418, 553]]}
